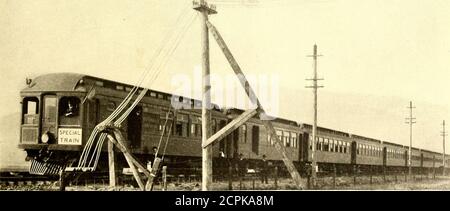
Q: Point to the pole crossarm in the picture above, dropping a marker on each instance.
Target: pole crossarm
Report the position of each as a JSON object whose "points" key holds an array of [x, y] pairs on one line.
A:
{"points": [[230, 127], [251, 94]]}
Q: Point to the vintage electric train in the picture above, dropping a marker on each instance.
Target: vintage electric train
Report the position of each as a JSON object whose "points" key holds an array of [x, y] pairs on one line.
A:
{"points": [[60, 110]]}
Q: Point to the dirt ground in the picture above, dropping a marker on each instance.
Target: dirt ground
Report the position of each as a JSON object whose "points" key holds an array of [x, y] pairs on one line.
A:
{"points": [[342, 183]]}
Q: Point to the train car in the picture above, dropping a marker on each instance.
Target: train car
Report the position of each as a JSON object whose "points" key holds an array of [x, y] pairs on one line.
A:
{"points": [[429, 159], [395, 155], [332, 148], [252, 140], [60, 110], [369, 152]]}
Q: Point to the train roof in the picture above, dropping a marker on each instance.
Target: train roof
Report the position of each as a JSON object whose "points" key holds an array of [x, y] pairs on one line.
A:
{"points": [[308, 126], [392, 144], [276, 119], [55, 82], [69, 82], [365, 138]]}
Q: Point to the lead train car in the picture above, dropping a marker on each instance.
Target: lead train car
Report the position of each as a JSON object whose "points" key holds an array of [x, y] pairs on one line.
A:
{"points": [[60, 110]]}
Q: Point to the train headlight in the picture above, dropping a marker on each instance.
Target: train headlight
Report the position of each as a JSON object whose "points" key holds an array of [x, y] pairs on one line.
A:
{"points": [[45, 138]]}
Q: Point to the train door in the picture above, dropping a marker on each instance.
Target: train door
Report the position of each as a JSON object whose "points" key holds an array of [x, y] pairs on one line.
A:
{"points": [[406, 158], [255, 139], [304, 146], [49, 116], [353, 154], [421, 159], [134, 129]]}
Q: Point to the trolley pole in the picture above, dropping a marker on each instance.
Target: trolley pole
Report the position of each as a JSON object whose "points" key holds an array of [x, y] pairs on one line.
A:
{"points": [[314, 129], [443, 134], [205, 9], [410, 121]]}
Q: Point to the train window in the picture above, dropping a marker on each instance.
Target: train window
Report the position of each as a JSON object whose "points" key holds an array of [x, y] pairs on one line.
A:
{"points": [[269, 140], [317, 143], [244, 133], [331, 145], [310, 142], [345, 147], [30, 110], [336, 147], [119, 87], [181, 125], [325, 145], [69, 111], [288, 138], [68, 106], [320, 144], [280, 135], [160, 96], [294, 139], [196, 126], [152, 94], [193, 130]]}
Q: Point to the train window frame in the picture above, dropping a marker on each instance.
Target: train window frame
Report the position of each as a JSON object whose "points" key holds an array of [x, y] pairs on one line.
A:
{"points": [[318, 143], [357, 149], [294, 139], [69, 110], [331, 145], [287, 137], [181, 125], [326, 145], [321, 143], [28, 116], [279, 134]]}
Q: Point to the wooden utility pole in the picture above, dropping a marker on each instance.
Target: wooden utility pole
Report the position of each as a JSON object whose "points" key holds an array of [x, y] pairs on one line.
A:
{"points": [[205, 10], [410, 121], [443, 134], [260, 110], [112, 165], [314, 129]]}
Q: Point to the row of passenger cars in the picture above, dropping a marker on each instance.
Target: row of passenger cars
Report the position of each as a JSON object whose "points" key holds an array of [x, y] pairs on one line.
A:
{"points": [[60, 110]]}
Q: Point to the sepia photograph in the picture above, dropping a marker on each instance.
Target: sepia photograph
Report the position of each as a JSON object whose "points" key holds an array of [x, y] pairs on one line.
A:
{"points": [[224, 95]]}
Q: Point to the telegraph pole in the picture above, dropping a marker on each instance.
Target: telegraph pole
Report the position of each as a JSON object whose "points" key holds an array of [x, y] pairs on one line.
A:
{"points": [[410, 121], [443, 134], [205, 10], [314, 129]]}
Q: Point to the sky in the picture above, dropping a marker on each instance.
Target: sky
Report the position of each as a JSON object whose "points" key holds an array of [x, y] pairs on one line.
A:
{"points": [[377, 55]]}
